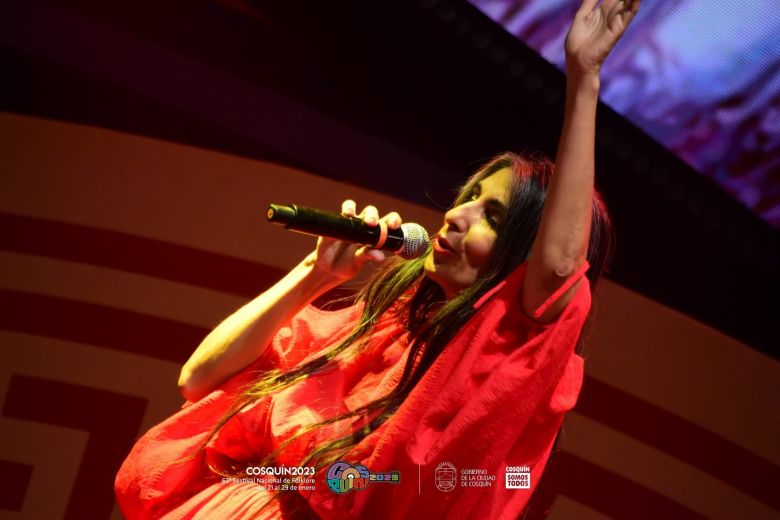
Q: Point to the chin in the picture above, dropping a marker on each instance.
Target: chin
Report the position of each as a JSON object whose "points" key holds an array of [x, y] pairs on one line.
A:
{"points": [[428, 264], [430, 269], [435, 276]]}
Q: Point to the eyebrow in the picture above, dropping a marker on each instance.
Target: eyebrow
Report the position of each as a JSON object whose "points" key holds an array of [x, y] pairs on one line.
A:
{"points": [[493, 202]]}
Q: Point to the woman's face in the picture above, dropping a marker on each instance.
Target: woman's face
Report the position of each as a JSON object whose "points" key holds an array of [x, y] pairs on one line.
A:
{"points": [[463, 247]]}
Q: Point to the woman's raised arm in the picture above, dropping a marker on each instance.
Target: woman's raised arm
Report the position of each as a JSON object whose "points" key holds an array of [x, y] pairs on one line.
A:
{"points": [[561, 244]]}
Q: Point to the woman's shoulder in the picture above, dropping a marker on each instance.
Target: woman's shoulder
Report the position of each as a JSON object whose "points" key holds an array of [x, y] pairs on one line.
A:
{"points": [[505, 298]]}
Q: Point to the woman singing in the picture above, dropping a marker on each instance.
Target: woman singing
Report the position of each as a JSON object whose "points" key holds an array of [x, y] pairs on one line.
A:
{"points": [[447, 373]]}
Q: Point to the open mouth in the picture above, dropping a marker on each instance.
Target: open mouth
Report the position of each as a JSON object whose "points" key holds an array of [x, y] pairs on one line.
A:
{"points": [[441, 245]]}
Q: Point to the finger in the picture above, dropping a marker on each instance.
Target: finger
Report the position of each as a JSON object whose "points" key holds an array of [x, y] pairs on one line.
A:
{"points": [[586, 7], [393, 220], [608, 5], [348, 208], [615, 18], [367, 253], [628, 8], [613, 8], [370, 215], [628, 15], [346, 252]]}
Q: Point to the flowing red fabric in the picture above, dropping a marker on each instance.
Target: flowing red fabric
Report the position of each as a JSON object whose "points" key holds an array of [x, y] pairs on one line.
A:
{"points": [[493, 399]]}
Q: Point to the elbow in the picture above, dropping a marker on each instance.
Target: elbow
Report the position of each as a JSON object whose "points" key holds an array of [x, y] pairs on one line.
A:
{"points": [[559, 267], [557, 271], [564, 268], [189, 387], [559, 262]]}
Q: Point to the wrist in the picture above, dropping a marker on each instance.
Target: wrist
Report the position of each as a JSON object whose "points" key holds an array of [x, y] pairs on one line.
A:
{"points": [[316, 280], [582, 81]]}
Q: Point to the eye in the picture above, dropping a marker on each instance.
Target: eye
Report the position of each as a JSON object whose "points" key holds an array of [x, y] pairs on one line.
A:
{"points": [[492, 219]]}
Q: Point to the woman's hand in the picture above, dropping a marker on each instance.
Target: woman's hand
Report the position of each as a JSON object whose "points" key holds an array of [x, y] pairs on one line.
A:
{"points": [[245, 335], [594, 33], [340, 260]]}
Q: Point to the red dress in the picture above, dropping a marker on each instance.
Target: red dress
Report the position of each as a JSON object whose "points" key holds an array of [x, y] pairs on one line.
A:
{"points": [[493, 399]]}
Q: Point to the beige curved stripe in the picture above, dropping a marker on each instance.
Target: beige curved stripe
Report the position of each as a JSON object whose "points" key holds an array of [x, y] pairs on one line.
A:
{"points": [[172, 192], [564, 508], [95, 367], [667, 359], [662, 473], [117, 289], [55, 454]]}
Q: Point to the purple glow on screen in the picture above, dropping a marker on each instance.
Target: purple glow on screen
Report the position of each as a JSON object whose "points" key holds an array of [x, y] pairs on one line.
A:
{"points": [[702, 77]]}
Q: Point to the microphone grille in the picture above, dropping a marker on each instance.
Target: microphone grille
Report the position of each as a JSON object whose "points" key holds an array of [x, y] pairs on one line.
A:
{"points": [[415, 241]]}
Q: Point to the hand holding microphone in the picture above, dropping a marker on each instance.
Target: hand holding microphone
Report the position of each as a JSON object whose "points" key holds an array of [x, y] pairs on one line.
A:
{"points": [[339, 252]]}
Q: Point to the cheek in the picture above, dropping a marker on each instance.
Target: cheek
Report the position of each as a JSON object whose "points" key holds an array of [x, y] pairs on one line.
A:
{"points": [[478, 249]]}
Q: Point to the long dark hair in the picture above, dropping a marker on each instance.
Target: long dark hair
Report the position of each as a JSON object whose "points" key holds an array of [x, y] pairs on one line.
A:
{"points": [[401, 287]]}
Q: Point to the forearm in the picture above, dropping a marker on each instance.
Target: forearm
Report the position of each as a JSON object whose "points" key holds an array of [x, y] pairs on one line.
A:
{"points": [[565, 226], [244, 336]]}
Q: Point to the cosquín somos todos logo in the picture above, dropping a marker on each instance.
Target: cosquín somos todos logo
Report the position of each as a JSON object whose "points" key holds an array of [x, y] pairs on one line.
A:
{"points": [[343, 477]]}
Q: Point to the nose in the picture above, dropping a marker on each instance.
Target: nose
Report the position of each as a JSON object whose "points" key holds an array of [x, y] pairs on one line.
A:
{"points": [[458, 218]]}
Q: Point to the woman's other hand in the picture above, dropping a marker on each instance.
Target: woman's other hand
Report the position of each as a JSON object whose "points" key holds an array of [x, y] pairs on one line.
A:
{"points": [[340, 260], [594, 33]]}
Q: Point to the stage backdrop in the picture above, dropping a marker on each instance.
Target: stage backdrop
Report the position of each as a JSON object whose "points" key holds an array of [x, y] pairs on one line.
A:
{"points": [[119, 254]]}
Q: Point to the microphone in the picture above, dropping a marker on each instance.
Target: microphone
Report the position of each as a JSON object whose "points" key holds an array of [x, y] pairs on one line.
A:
{"points": [[409, 241]]}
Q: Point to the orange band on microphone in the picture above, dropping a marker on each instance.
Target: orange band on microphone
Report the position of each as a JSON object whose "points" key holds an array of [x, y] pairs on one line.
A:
{"points": [[382, 234]]}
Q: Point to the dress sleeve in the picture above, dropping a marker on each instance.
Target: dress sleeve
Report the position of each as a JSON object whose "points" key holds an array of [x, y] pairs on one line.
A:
{"points": [[561, 290], [513, 285], [307, 333], [310, 331]]}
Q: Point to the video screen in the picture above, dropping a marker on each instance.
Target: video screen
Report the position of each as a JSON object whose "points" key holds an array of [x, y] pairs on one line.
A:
{"points": [[702, 78]]}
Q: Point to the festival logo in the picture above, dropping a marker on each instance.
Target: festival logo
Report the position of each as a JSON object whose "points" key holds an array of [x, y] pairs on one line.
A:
{"points": [[446, 477], [343, 477]]}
